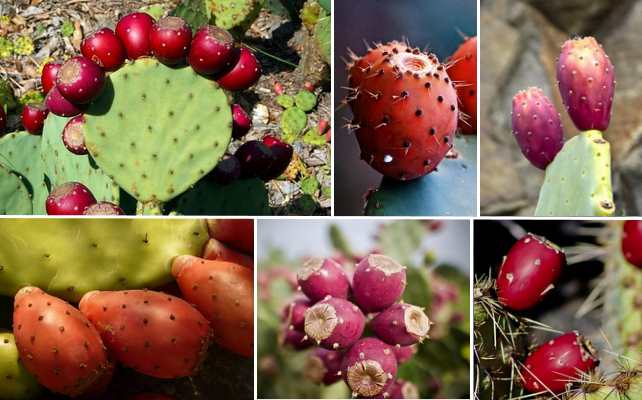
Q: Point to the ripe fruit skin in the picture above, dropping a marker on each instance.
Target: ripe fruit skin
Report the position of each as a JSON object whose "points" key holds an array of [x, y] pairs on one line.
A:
{"points": [[170, 40], [73, 136], [236, 233], [323, 366], [255, 158], [104, 48], [133, 31], [215, 250], [401, 324], [586, 80], [223, 292], [212, 50], [464, 72], [152, 332], [404, 353], [57, 344], [294, 313], [632, 242], [369, 367], [48, 76], [334, 323], [553, 364], [33, 118], [59, 105], [321, 277], [242, 122], [537, 127], [71, 198], [281, 157], [401, 389], [80, 80], [103, 208], [296, 339], [405, 110], [378, 282], [528, 272], [244, 74]]}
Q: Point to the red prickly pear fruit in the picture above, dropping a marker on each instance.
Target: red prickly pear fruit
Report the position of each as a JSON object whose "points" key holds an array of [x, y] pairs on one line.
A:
{"points": [[404, 353], [528, 272], [151, 332], [369, 367], [255, 158], [401, 324], [393, 88], [323, 126], [33, 118], [224, 293], [215, 250], [321, 277], [228, 170], [294, 313], [73, 135], [103, 208], [48, 76], [236, 233], [241, 122], [244, 74], [133, 31], [295, 339], [551, 366], [586, 80], [323, 366], [281, 157], [400, 389], [71, 198], [3, 119], [278, 88], [80, 80], [104, 48], [59, 105], [463, 71], [378, 282], [537, 127], [632, 242], [170, 40], [309, 86], [57, 344], [212, 50], [334, 323]]}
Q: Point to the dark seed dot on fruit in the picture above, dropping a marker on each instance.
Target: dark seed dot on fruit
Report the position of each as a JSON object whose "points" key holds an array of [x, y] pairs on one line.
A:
{"points": [[432, 131], [452, 107], [406, 143], [440, 68], [386, 119], [404, 94], [418, 113], [471, 92], [440, 99], [436, 75], [427, 85], [446, 139]]}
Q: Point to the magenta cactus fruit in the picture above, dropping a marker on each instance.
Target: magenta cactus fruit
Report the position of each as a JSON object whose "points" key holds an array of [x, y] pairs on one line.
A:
{"points": [[133, 31], [170, 40], [48, 76], [212, 50], [551, 366], [73, 135], [321, 277], [401, 325], [57, 344], [334, 323], [537, 127], [59, 105], [242, 123], [104, 48], [323, 366], [71, 198], [378, 282], [295, 339], [281, 157], [404, 353], [227, 171], [632, 242], [401, 389], [33, 118], [586, 80], [244, 74], [80, 80], [103, 208], [255, 158], [294, 313], [528, 272], [369, 367]]}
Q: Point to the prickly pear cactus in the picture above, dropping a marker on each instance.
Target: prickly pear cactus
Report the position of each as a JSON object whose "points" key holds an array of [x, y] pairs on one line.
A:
{"points": [[15, 198], [230, 14], [195, 12], [242, 197], [69, 257], [158, 130], [578, 181], [15, 381], [306, 100], [293, 121], [322, 38]]}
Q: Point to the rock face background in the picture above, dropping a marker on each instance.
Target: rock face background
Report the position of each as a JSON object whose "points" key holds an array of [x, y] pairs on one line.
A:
{"points": [[520, 43]]}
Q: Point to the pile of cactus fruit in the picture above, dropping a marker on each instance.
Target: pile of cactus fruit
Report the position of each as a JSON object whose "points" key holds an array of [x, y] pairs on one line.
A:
{"points": [[75, 323], [578, 172]]}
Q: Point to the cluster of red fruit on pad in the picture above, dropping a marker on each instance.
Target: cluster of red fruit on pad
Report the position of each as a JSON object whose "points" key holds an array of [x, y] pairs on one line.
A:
{"points": [[334, 314]]}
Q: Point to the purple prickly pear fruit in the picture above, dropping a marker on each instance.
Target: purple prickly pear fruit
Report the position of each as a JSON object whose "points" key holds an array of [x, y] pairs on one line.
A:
{"points": [[255, 158], [586, 80], [133, 30], [103, 208], [80, 80], [323, 366], [294, 313], [281, 157], [295, 339], [60, 106], [73, 135], [71, 198], [404, 353], [48, 76], [378, 282], [244, 74], [334, 323], [369, 367], [321, 277], [537, 127], [241, 122], [227, 171], [401, 325], [104, 48], [170, 39], [400, 389], [33, 118], [212, 50]]}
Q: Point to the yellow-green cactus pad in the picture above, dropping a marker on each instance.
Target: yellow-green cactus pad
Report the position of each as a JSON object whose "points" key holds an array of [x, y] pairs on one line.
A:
{"points": [[15, 198], [16, 383]]}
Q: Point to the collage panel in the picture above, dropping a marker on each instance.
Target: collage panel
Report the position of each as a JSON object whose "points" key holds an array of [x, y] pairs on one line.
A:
{"points": [[374, 309]]}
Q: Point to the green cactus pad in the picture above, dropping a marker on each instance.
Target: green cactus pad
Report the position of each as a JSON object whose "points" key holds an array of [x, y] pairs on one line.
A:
{"points": [[242, 197], [15, 198], [158, 130], [229, 14], [15, 381], [293, 121], [322, 38], [69, 257], [194, 12], [285, 101], [306, 100], [61, 165], [578, 181]]}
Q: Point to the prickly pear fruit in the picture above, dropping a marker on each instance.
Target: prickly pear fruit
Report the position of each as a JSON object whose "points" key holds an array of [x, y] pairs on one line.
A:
{"points": [[294, 313], [378, 282], [528, 272], [104, 48], [59, 105], [552, 365], [405, 110], [133, 31], [152, 332], [321, 277], [57, 344], [401, 389], [170, 40], [103, 208], [71, 198], [586, 80], [537, 127], [242, 122], [228, 170], [255, 158], [369, 367], [73, 135], [244, 74], [281, 157], [404, 353], [80, 80], [334, 323], [401, 324], [33, 118], [223, 292], [294, 338], [15, 381], [48, 76], [215, 250], [212, 50], [236, 233], [463, 71], [632, 242], [323, 366]]}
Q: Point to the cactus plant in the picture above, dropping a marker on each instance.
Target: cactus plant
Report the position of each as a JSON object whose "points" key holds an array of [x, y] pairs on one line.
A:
{"points": [[14, 195], [306, 100], [235, 14], [293, 121]]}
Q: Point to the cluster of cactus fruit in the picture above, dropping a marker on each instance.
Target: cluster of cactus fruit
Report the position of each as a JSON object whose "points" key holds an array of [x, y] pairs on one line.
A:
{"points": [[578, 172], [74, 350]]}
